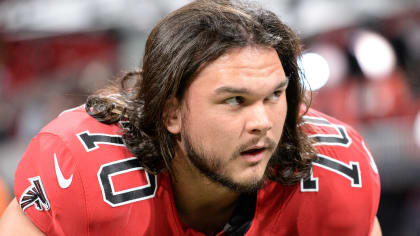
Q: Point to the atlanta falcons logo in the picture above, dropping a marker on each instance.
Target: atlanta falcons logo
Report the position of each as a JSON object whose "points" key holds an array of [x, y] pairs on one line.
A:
{"points": [[35, 195]]}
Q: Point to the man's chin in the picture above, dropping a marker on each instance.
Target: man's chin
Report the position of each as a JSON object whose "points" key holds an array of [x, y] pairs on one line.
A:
{"points": [[249, 186]]}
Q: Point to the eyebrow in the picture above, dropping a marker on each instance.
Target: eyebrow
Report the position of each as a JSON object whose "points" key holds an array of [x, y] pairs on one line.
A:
{"points": [[228, 89]]}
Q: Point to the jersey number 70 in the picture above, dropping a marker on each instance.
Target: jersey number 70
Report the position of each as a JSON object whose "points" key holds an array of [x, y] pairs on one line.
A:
{"points": [[108, 170], [350, 171]]}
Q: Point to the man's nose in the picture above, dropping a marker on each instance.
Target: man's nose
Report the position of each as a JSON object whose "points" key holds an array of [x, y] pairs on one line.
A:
{"points": [[258, 121]]}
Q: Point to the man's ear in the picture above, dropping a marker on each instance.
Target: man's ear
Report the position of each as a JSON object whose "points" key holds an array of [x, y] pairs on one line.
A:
{"points": [[172, 116]]}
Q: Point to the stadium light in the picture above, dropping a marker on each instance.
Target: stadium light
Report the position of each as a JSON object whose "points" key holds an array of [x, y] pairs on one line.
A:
{"points": [[315, 69], [374, 54]]}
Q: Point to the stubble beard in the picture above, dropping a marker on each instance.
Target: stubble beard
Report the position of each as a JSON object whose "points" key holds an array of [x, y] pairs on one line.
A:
{"points": [[212, 167]]}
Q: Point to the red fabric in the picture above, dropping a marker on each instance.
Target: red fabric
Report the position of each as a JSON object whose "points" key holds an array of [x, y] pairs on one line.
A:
{"points": [[337, 208]]}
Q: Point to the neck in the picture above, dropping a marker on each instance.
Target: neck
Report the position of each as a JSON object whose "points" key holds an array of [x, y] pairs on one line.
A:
{"points": [[202, 204]]}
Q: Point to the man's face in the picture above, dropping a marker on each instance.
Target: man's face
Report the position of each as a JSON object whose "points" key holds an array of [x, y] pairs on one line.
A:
{"points": [[232, 117]]}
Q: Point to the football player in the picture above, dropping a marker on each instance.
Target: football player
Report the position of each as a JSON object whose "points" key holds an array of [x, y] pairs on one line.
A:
{"points": [[214, 138]]}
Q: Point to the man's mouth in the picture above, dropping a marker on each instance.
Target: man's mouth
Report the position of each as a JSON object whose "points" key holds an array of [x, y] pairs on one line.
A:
{"points": [[254, 154], [253, 151]]}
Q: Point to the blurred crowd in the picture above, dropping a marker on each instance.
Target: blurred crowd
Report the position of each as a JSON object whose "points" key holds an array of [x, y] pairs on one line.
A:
{"points": [[371, 80]]}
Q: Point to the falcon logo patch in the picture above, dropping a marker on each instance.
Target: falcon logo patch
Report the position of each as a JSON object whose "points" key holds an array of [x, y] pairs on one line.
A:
{"points": [[35, 195]]}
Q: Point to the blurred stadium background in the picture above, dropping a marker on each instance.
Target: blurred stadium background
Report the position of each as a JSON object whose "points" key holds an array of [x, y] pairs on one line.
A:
{"points": [[362, 59]]}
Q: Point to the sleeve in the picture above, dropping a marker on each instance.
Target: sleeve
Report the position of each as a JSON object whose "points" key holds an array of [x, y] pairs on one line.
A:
{"points": [[357, 195], [49, 189], [344, 175], [370, 178]]}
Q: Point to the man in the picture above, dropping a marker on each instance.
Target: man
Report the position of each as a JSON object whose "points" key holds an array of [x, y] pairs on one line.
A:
{"points": [[220, 147]]}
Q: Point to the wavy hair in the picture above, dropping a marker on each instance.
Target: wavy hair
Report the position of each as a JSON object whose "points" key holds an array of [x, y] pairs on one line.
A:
{"points": [[178, 46]]}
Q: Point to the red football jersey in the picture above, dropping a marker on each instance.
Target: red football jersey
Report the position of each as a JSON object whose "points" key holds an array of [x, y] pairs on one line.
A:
{"points": [[77, 178]]}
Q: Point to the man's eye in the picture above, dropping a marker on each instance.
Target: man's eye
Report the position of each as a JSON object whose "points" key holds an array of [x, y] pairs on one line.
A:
{"points": [[234, 101], [275, 96]]}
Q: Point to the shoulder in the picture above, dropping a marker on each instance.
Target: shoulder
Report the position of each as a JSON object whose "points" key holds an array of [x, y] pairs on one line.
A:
{"points": [[316, 122], [343, 155], [77, 123], [72, 142], [77, 171], [338, 142], [344, 184], [81, 140]]}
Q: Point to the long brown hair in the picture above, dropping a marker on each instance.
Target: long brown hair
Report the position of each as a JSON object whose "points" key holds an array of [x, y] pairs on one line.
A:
{"points": [[178, 46]]}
